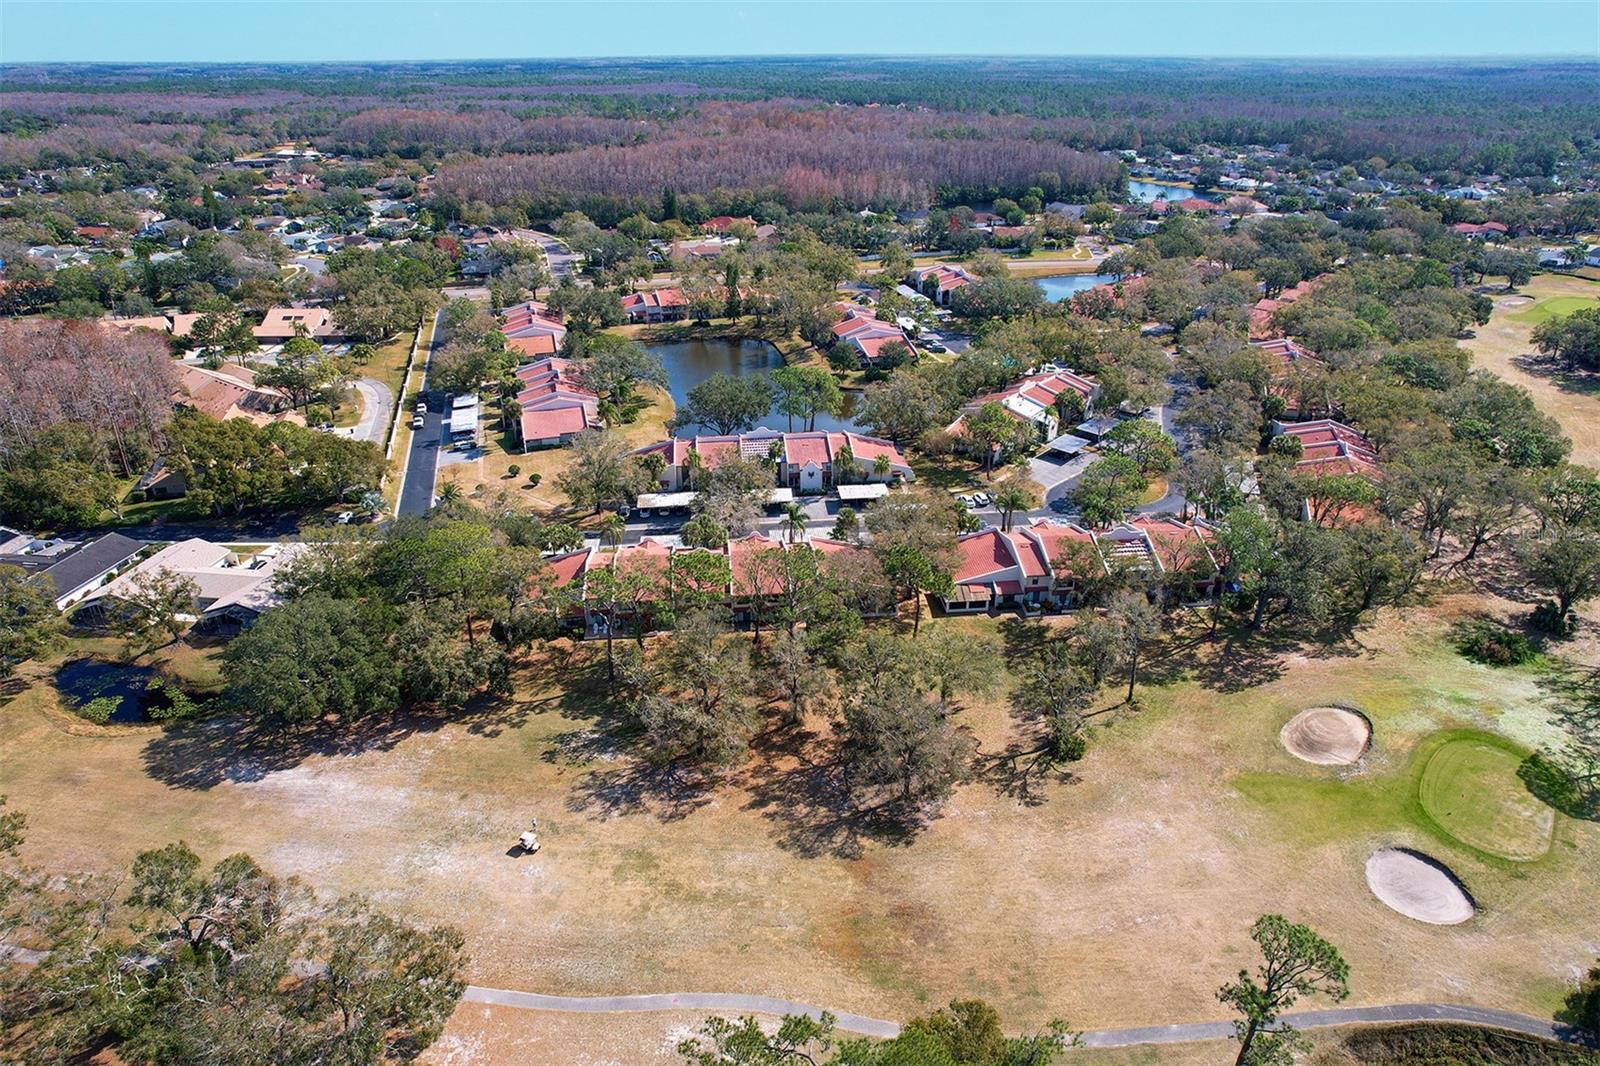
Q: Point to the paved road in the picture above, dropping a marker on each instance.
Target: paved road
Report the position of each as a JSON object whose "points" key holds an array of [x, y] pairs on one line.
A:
{"points": [[377, 404], [563, 261], [735, 1003], [422, 461]]}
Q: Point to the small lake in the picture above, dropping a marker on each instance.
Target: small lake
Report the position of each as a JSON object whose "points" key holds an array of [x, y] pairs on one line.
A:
{"points": [[1065, 286], [1149, 192], [689, 363], [82, 681]]}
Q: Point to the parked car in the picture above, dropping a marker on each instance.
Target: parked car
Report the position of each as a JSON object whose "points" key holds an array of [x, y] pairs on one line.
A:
{"points": [[981, 499], [418, 422]]}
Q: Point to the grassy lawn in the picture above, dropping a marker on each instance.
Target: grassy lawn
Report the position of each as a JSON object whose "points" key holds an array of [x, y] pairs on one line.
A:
{"points": [[1184, 822], [1077, 251], [1459, 787], [1504, 347], [951, 472], [1554, 307], [1471, 790]]}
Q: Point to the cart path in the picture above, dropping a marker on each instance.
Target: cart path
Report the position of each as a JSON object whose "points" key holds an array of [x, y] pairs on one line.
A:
{"points": [[1183, 1032], [1154, 1034]]}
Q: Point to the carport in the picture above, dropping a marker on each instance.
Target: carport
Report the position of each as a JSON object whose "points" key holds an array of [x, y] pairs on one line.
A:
{"points": [[1067, 444]]}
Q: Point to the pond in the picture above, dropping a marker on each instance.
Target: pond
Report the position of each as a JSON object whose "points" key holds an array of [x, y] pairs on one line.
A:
{"points": [[1065, 286], [82, 681], [1149, 192], [689, 363]]}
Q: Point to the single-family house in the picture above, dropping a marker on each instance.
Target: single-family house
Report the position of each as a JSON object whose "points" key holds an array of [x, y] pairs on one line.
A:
{"points": [[281, 324], [231, 589], [861, 329], [1262, 326], [939, 282], [1481, 231], [1329, 448], [655, 305], [726, 223], [1036, 399], [68, 570], [231, 391]]}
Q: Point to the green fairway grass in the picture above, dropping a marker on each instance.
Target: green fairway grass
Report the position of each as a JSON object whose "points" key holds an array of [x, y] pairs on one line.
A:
{"points": [[1460, 786], [1471, 789], [1554, 306]]}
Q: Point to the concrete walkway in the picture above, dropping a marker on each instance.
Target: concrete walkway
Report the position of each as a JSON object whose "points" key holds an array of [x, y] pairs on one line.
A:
{"points": [[736, 1004]]}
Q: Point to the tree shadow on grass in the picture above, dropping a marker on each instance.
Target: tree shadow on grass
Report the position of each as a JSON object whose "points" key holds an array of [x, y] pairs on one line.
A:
{"points": [[1239, 659], [1025, 638], [810, 805], [1021, 770], [201, 753], [232, 746], [627, 784], [1550, 369]]}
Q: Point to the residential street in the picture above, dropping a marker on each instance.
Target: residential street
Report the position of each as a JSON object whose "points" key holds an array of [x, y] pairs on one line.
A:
{"points": [[563, 261], [416, 490]]}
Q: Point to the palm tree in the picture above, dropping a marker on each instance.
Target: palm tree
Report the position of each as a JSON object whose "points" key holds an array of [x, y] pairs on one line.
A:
{"points": [[794, 521], [882, 466], [449, 494], [1009, 499], [612, 529]]}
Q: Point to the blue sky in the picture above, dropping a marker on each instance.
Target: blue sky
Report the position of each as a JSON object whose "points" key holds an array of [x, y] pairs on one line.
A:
{"points": [[257, 30]]}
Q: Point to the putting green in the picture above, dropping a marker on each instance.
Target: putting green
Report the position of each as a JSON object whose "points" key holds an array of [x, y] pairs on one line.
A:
{"points": [[1471, 789], [1554, 306]]}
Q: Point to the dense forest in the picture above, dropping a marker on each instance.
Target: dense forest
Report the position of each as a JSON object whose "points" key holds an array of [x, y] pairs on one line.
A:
{"points": [[862, 131]]}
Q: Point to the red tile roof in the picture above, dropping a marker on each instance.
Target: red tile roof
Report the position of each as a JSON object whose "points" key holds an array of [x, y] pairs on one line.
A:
{"points": [[548, 425], [983, 554]]}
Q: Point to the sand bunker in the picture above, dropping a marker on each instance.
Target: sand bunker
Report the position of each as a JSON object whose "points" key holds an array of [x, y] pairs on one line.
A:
{"points": [[1418, 887], [1327, 736]]}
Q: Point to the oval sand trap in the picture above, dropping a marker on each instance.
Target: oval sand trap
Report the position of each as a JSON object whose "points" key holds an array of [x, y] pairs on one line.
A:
{"points": [[1327, 736], [1418, 887]]}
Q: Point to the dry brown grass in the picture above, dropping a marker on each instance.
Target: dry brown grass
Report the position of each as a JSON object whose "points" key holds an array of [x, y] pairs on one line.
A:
{"points": [[1123, 898], [1503, 347]]}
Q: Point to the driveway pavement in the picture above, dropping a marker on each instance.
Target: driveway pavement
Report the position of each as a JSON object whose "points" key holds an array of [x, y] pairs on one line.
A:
{"points": [[377, 405]]}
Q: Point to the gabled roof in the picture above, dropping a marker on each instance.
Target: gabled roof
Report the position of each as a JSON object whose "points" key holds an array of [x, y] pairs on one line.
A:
{"points": [[556, 422], [1055, 541], [984, 555], [316, 322], [1177, 545], [87, 563], [799, 449]]}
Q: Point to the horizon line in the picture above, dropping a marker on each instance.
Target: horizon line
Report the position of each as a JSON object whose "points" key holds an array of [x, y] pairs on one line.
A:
{"points": [[1539, 57]]}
